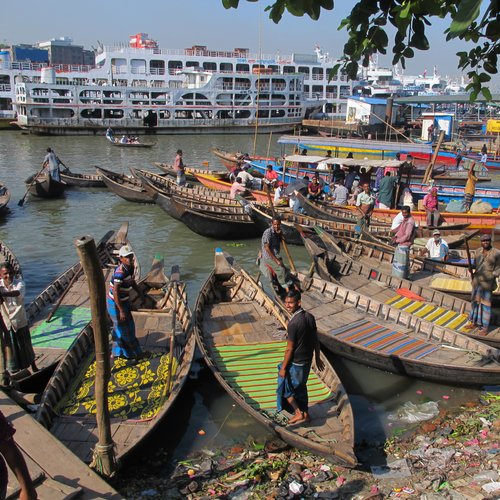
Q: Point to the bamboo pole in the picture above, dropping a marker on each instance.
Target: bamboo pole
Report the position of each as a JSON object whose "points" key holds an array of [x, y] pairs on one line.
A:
{"points": [[103, 461], [430, 167]]}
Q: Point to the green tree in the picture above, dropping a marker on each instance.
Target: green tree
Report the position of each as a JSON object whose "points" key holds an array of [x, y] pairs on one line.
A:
{"points": [[366, 28]]}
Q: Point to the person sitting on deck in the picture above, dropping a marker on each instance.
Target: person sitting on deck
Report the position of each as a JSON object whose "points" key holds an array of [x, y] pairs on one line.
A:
{"points": [[125, 343], [293, 371], [436, 247], [365, 203], [124, 140], [271, 176], [340, 194], [279, 195], [236, 188], [484, 283], [269, 260], [51, 164], [431, 204], [314, 191], [404, 237], [15, 331], [246, 178]]}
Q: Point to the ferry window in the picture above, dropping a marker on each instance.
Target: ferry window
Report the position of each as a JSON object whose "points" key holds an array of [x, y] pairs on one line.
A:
{"points": [[91, 113], [306, 89], [279, 84], [261, 113], [224, 100], [303, 69], [192, 64], [164, 115], [278, 99], [242, 113], [242, 100], [210, 66], [157, 67], [334, 76], [317, 90], [289, 69], [226, 67], [277, 113], [318, 73], [242, 84], [242, 68], [262, 84], [263, 97], [174, 66], [113, 113], [138, 66], [224, 83], [274, 68]]}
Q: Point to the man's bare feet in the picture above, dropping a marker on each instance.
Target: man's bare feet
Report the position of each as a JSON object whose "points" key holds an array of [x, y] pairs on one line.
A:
{"points": [[469, 326], [482, 331]]}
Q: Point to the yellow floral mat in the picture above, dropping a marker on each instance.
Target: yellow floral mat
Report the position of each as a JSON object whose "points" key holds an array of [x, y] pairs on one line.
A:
{"points": [[135, 391]]}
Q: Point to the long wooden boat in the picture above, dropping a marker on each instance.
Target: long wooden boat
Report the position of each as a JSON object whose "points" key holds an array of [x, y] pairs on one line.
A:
{"points": [[214, 183], [51, 339], [376, 281], [125, 186], [116, 142], [189, 172], [217, 224], [241, 335], [56, 472], [231, 159], [140, 394], [7, 255], [361, 328], [4, 197], [341, 214], [73, 179], [45, 186]]}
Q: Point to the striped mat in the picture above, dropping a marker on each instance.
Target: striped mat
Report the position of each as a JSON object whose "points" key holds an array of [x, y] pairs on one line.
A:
{"points": [[431, 312], [384, 340], [450, 284], [252, 371]]}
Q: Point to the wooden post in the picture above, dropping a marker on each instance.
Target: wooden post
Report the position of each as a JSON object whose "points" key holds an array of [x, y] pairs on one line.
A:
{"points": [[103, 461], [430, 167]]}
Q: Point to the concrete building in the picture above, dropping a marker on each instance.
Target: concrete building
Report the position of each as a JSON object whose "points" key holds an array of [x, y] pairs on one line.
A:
{"points": [[62, 51]]}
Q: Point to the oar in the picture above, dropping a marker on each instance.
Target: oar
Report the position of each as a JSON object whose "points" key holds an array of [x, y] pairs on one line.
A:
{"points": [[21, 201], [78, 271], [173, 279], [469, 260], [285, 246]]}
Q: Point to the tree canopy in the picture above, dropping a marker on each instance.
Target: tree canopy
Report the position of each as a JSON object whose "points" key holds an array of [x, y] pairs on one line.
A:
{"points": [[366, 28]]}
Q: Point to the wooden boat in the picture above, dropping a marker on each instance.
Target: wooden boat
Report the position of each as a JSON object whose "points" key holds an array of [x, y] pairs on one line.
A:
{"points": [[116, 142], [241, 335], [140, 394], [7, 255], [125, 186], [189, 172], [4, 197], [359, 327], [231, 159], [72, 179], [342, 214], [217, 184], [45, 186], [376, 281], [51, 339], [56, 472], [215, 223]]}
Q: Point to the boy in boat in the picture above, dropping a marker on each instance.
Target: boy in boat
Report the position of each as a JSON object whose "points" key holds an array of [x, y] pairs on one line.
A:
{"points": [[125, 343], [16, 336], [484, 283], [294, 370]]}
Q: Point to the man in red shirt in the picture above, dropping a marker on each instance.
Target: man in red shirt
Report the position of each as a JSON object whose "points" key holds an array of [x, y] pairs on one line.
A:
{"points": [[271, 177], [431, 208]]}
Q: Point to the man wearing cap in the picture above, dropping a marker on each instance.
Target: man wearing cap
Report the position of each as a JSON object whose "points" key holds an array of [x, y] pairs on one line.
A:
{"points": [[246, 178], [436, 247], [125, 343], [484, 283]]}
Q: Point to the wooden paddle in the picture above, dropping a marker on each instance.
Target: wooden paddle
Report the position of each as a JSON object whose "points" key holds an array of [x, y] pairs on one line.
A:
{"points": [[174, 278], [285, 246], [78, 271], [469, 260], [21, 201]]}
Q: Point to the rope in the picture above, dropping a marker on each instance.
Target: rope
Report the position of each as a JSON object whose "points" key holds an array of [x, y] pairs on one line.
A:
{"points": [[97, 463]]}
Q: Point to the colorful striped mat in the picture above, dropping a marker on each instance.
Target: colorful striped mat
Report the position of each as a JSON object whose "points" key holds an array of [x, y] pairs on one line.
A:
{"points": [[252, 371], [431, 312], [384, 340]]}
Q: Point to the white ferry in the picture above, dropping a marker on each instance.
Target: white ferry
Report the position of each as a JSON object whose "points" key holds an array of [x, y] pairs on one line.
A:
{"points": [[141, 87]]}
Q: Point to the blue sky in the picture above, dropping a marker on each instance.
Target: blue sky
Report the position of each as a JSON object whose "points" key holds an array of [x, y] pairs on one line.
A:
{"points": [[182, 23]]}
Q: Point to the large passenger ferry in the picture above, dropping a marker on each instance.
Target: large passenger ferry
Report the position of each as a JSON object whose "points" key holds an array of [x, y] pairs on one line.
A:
{"points": [[141, 87]]}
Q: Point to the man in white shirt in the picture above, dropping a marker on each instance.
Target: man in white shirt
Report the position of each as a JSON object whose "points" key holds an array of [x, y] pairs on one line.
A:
{"points": [[245, 177], [436, 247]]}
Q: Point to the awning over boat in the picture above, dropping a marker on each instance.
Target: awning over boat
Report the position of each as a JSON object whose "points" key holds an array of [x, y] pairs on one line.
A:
{"points": [[304, 158], [345, 162]]}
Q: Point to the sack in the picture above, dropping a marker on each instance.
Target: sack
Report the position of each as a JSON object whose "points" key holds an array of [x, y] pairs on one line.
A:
{"points": [[456, 206], [481, 207]]}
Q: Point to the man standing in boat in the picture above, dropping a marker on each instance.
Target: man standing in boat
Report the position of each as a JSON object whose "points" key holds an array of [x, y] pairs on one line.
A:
{"points": [[470, 187], [294, 370], [269, 261], [179, 168], [484, 283], [431, 205], [51, 163], [404, 237], [365, 203]]}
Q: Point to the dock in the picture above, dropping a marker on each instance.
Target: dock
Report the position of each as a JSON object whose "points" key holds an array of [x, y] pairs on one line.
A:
{"points": [[56, 472]]}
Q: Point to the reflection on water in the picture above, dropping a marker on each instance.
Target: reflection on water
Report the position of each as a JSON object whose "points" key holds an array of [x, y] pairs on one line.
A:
{"points": [[41, 233]]}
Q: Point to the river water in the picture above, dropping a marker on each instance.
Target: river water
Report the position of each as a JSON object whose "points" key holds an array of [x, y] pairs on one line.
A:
{"points": [[41, 234]]}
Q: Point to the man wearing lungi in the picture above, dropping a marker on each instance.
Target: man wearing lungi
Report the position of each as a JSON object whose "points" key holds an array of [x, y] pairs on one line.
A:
{"points": [[484, 283], [125, 343], [294, 370], [404, 237]]}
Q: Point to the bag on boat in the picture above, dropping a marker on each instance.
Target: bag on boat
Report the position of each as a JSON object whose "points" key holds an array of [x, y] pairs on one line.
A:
{"points": [[481, 207], [456, 206]]}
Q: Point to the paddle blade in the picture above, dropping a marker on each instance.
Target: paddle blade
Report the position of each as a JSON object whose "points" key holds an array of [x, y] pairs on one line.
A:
{"points": [[21, 202]]}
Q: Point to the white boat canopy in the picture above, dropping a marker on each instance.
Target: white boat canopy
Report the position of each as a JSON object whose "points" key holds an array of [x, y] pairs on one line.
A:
{"points": [[345, 162]]}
